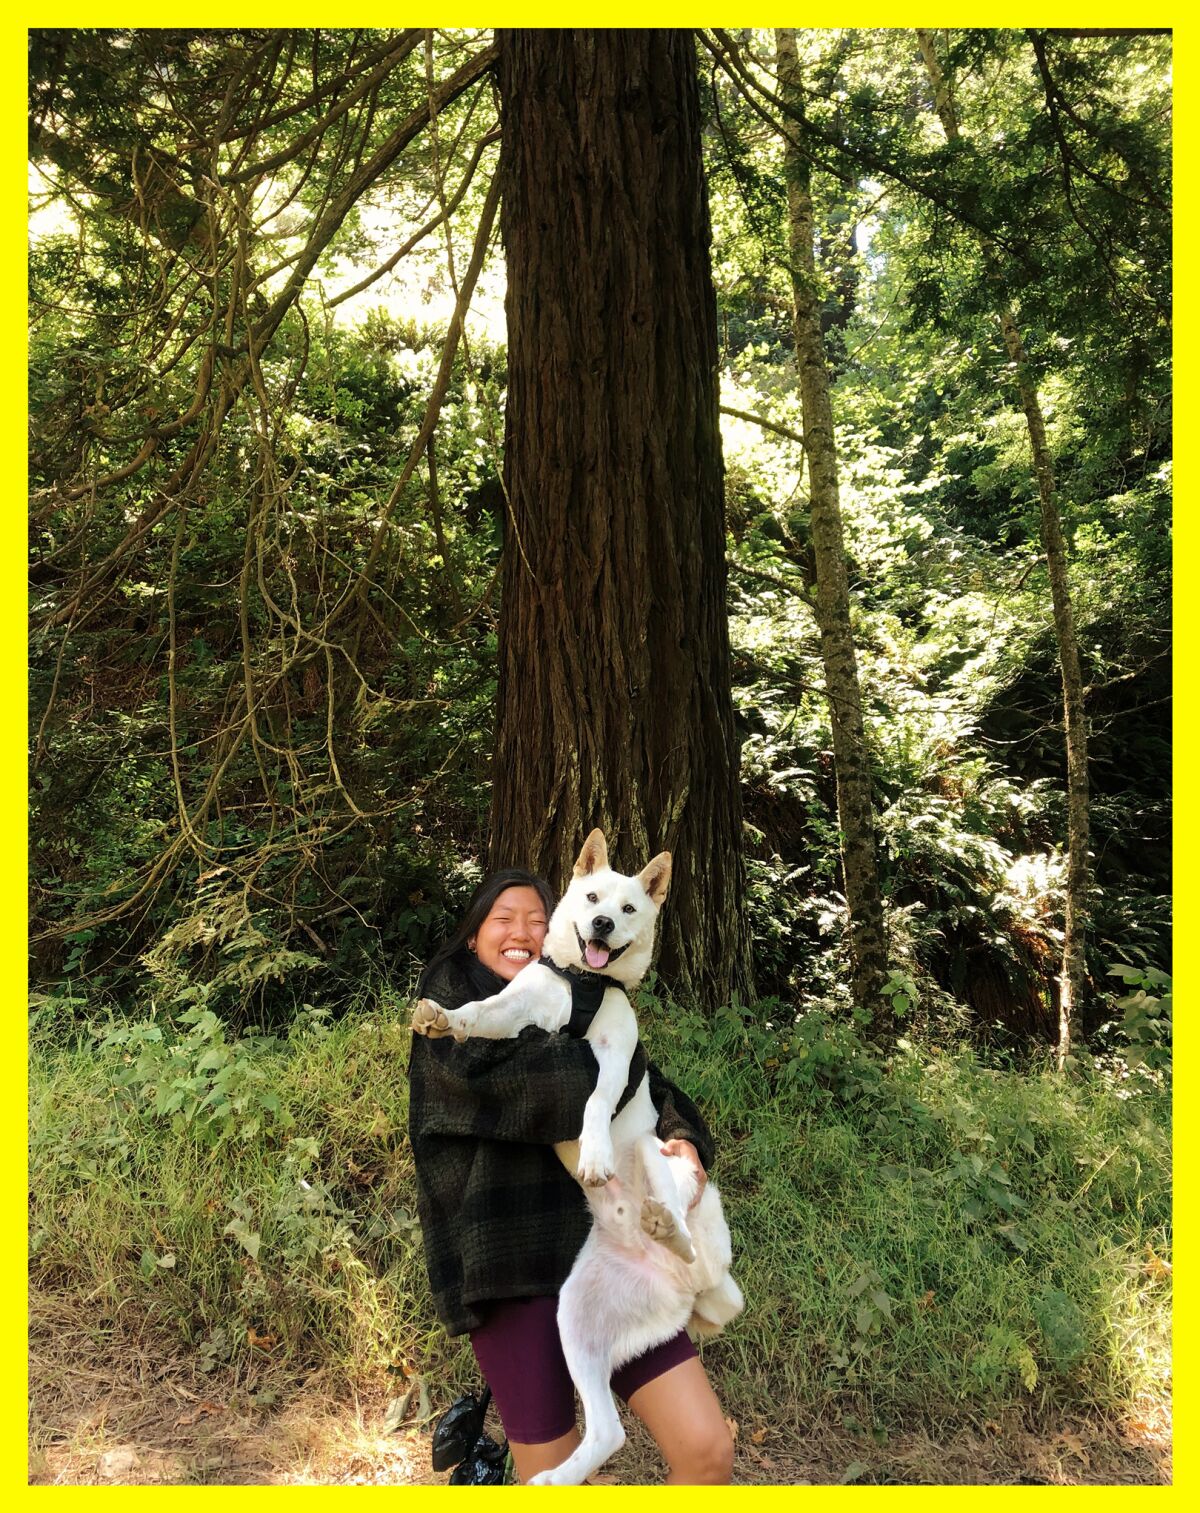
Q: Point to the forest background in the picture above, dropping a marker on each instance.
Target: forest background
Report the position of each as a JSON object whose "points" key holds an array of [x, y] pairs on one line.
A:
{"points": [[267, 623]]}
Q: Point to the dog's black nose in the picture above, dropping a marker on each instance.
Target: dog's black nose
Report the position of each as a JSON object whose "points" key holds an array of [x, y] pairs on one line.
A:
{"points": [[602, 925]]}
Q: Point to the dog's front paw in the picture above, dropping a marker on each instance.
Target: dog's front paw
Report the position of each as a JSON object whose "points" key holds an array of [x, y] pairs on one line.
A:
{"points": [[660, 1224], [596, 1162], [429, 1018]]}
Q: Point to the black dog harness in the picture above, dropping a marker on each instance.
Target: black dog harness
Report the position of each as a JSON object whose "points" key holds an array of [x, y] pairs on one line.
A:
{"points": [[587, 993]]}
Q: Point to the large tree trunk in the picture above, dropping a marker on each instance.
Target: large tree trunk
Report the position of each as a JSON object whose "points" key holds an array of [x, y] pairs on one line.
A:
{"points": [[1072, 980], [867, 940], [614, 704]]}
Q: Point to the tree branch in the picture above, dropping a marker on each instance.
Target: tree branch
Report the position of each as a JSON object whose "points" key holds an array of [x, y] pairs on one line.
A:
{"points": [[726, 53]]}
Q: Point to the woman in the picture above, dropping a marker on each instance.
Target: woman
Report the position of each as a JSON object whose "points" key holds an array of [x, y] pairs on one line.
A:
{"points": [[503, 1221]]}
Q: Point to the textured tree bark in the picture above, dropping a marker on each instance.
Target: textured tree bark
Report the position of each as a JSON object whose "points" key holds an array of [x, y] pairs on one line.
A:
{"points": [[866, 937], [614, 705], [1072, 980]]}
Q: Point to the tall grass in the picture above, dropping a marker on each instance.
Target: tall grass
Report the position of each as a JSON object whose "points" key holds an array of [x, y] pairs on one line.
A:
{"points": [[939, 1237], [935, 1237]]}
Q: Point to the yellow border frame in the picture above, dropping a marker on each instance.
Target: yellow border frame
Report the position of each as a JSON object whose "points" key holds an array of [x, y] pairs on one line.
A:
{"points": [[14, 698]]}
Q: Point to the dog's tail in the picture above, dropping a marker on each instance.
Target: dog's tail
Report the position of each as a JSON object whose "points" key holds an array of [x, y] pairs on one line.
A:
{"points": [[713, 1309]]}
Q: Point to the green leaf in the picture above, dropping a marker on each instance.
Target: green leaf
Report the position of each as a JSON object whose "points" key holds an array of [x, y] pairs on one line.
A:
{"points": [[1013, 1235], [247, 1238]]}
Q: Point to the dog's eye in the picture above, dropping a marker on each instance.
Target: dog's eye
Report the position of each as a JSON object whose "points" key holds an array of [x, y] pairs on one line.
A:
{"points": [[628, 909], [593, 898]]}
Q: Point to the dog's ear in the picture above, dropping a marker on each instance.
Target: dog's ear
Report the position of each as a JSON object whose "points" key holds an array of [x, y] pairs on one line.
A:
{"points": [[655, 877], [593, 856]]}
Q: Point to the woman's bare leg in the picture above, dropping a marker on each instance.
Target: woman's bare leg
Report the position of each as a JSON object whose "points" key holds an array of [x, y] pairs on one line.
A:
{"points": [[681, 1411], [530, 1459]]}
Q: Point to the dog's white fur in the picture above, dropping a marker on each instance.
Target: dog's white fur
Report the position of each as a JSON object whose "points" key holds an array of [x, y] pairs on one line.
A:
{"points": [[649, 1266]]}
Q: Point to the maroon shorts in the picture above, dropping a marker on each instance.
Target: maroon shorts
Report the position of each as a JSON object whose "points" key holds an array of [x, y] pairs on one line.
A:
{"points": [[520, 1355]]}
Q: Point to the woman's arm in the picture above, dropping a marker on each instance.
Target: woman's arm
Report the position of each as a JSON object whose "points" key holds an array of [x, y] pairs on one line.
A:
{"points": [[679, 1118]]}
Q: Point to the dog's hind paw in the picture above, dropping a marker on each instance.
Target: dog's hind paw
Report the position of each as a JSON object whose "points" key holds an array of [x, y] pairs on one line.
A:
{"points": [[429, 1018], [660, 1224]]}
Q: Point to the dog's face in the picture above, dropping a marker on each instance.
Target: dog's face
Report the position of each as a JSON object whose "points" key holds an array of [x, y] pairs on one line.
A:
{"points": [[605, 920]]}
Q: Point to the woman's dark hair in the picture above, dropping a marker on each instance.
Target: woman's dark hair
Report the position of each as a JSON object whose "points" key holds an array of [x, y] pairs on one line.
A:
{"points": [[480, 906]]}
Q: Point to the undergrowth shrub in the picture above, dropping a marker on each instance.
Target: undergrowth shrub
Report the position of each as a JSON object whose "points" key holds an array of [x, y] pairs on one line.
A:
{"points": [[928, 1234]]}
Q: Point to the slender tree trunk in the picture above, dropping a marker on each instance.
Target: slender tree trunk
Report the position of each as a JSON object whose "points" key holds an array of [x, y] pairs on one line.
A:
{"points": [[867, 940], [1072, 980], [614, 705]]}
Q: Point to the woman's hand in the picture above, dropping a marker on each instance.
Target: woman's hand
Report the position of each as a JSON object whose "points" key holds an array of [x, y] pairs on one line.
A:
{"points": [[686, 1149]]}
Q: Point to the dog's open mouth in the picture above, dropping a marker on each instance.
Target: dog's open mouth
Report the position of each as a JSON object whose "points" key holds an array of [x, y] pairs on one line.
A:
{"points": [[598, 953]]}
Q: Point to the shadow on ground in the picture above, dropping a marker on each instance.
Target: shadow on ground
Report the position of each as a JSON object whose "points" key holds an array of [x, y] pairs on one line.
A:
{"points": [[145, 1420]]}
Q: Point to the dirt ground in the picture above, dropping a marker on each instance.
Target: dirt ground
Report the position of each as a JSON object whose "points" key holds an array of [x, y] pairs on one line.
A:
{"points": [[142, 1420]]}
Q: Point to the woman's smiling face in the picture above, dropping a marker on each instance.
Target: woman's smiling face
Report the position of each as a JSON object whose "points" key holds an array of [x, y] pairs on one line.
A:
{"points": [[512, 934]]}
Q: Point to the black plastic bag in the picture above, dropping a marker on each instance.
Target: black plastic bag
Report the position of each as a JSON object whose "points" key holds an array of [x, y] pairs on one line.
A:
{"points": [[484, 1467], [459, 1441]]}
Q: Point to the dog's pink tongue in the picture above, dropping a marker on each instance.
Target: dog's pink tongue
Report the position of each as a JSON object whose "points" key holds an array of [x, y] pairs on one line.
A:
{"points": [[597, 955]]}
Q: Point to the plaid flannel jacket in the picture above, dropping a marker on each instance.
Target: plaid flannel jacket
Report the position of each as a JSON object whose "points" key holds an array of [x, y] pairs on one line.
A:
{"points": [[499, 1214]]}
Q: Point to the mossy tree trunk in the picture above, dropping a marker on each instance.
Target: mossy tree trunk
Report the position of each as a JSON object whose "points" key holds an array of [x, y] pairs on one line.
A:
{"points": [[866, 933], [1073, 978]]}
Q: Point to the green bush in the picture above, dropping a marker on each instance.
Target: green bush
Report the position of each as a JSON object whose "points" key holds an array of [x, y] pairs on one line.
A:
{"points": [[925, 1235]]}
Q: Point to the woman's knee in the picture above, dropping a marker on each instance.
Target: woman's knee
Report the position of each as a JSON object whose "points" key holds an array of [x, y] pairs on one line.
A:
{"points": [[544, 1456], [684, 1415], [704, 1459]]}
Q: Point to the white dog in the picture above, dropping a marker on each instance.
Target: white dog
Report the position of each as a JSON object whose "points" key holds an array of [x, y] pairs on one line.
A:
{"points": [[648, 1267]]}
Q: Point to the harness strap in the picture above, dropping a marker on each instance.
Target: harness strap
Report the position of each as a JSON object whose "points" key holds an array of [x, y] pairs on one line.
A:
{"points": [[587, 993]]}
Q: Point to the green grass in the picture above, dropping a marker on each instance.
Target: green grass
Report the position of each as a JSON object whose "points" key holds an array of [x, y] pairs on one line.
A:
{"points": [[937, 1239]]}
